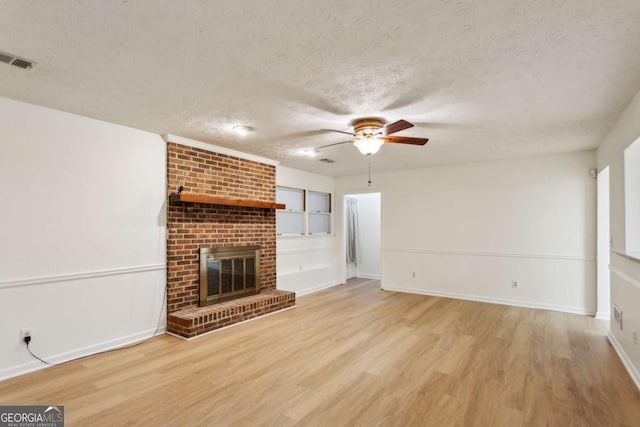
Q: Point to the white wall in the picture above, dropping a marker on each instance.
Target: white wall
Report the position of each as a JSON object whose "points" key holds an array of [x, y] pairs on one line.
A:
{"points": [[370, 259], [469, 230], [625, 271], [82, 234], [307, 264]]}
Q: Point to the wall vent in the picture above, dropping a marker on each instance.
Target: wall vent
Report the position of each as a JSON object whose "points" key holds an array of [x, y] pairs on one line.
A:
{"points": [[327, 160], [16, 61]]}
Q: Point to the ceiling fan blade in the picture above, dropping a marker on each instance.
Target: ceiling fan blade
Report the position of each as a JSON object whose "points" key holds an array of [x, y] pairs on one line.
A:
{"points": [[397, 127], [331, 145], [339, 131], [448, 126], [404, 140]]}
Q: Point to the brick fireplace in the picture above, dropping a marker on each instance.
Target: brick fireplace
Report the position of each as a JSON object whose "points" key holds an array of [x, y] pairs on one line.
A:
{"points": [[192, 226]]}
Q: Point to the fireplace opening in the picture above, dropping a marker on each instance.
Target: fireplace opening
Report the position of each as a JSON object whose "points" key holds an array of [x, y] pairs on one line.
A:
{"points": [[228, 273]]}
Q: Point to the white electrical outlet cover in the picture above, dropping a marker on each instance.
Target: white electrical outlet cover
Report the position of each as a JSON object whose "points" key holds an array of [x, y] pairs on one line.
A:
{"points": [[617, 315]]}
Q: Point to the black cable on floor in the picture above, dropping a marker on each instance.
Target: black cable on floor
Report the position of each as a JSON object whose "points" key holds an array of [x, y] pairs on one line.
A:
{"points": [[31, 353]]}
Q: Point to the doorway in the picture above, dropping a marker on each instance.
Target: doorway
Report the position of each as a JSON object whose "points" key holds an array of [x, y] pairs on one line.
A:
{"points": [[603, 245], [363, 235]]}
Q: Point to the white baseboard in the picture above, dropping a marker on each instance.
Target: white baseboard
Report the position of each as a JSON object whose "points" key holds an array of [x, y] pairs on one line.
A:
{"points": [[57, 359], [626, 361], [369, 276], [493, 300], [603, 316], [317, 288]]}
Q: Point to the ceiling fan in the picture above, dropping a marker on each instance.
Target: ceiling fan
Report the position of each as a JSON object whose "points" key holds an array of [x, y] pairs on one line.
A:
{"points": [[369, 134]]}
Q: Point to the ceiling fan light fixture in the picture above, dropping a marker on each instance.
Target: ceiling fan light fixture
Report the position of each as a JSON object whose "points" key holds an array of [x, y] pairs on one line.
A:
{"points": [[370, 133], [368, 146]]}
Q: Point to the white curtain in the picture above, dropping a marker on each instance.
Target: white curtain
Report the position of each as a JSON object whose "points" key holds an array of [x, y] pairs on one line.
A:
{"points": [[353, 246]]}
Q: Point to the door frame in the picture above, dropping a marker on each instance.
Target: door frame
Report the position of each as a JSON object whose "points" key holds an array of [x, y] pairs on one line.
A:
{"points": [[343, 230], [603, 245]]}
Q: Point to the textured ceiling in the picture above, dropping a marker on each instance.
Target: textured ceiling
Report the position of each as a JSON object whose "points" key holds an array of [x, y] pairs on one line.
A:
{"points": [[481, 79]]}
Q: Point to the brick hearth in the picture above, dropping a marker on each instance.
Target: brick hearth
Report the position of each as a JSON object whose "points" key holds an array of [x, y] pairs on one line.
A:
{"points": [[194, 321], [195, 225]]}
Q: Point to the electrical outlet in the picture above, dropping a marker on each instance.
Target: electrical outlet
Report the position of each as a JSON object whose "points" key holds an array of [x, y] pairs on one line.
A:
{"points": [[25, 332], [413, 274], [514, 283], [617, 315], [635, 336]]}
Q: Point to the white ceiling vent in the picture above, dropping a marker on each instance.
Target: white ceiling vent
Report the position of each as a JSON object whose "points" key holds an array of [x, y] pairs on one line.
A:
{"points": [[10, 59]]}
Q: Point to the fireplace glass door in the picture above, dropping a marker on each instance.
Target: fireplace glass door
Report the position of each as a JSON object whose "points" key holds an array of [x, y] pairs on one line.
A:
{"points": [[228, 273]]}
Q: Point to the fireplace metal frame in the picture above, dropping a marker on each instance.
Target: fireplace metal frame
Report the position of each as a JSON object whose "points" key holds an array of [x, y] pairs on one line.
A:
{"points": [[219, 254]]}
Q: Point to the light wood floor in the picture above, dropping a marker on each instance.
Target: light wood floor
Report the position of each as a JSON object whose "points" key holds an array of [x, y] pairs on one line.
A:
{"points": [[355, 355]]}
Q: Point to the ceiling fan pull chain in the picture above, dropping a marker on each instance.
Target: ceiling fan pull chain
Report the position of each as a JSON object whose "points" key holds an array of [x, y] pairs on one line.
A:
{"points": [[369, 171]]}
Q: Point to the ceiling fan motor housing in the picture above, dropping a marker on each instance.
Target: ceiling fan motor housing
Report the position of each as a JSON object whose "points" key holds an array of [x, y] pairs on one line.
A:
{"points": [[367, 126]]}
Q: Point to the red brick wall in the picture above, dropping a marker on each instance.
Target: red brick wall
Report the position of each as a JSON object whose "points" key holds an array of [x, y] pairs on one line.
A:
{"points": [[194, 225]]}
